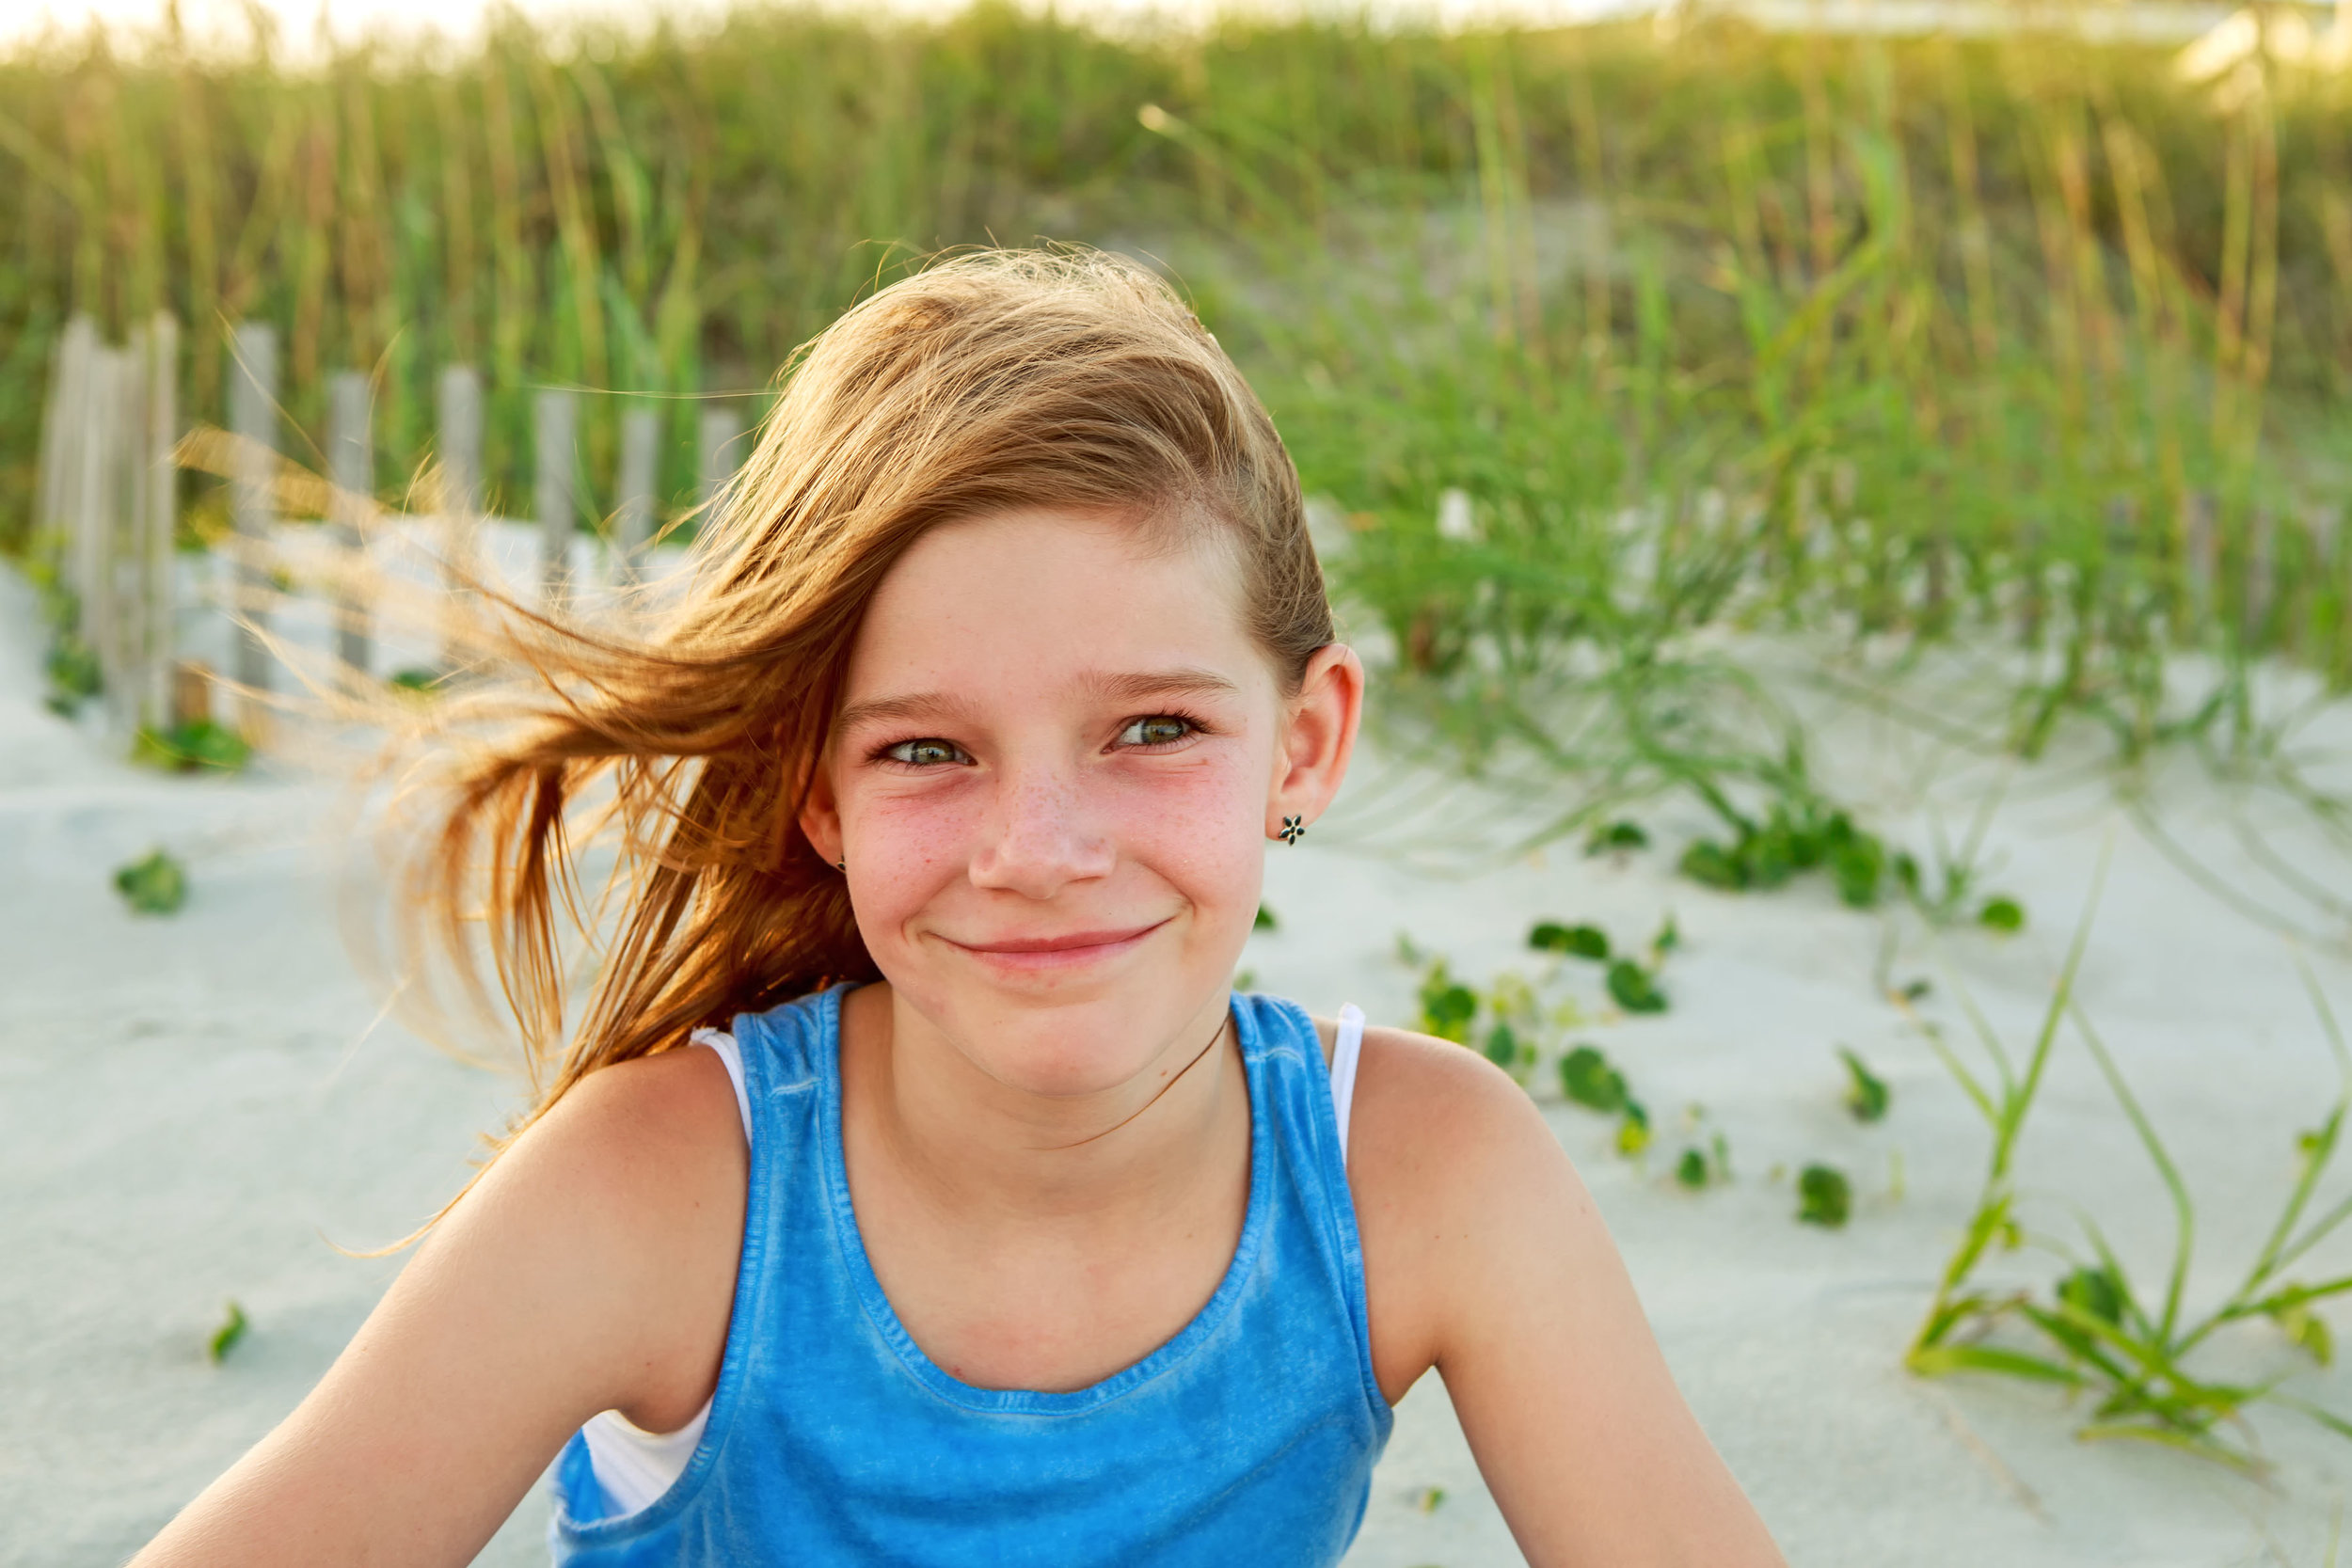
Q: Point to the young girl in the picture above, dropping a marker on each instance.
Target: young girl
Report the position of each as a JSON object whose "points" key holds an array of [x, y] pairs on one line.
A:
{"points": [[914, 1189]]}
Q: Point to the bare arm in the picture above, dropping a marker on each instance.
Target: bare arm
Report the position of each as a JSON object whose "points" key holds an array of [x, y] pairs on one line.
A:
{"points": [[592, 1268], [1486, 1257]]}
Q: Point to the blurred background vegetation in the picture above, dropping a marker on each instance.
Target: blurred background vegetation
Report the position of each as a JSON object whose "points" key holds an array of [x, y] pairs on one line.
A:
{"points": [[1598, 340]]}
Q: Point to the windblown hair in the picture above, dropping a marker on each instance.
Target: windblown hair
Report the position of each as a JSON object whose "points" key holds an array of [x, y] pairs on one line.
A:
{"points": [[993, 380]]}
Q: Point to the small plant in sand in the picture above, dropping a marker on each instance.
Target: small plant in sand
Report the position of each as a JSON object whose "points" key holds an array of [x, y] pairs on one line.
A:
{"points": [[2002, 914], [1706, 1159], [1511, 1022], [192, 746], [72, 672], [1631, 983], [1620, 837], [1800, 833], [2097, 1331], [1954, 900], [225, 1339], [1866, 1094], [1505, 1023], [1950, 887], [1824, 1196], [157, 884], [1587, 1078], [70, 663]]}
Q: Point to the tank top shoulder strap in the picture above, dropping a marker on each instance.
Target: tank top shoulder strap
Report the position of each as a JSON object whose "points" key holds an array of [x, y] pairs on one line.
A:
{"points": [[1305, 1106], [781, 1055], [1311, 1099]]}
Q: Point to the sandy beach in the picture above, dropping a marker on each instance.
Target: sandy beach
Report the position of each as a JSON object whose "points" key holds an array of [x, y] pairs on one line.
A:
{"points": [[202, 1107]]}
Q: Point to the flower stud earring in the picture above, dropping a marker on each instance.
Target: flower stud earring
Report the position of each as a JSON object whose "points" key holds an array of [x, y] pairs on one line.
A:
{"points": [[1293, 829]]}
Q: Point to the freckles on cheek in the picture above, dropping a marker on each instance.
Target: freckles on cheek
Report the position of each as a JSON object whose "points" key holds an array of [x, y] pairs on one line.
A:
{"points": [[912, 844], [1199, 824]]}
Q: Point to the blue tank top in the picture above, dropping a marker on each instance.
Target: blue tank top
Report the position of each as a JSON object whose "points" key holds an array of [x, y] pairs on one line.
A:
{"points": [[833, 1440]]}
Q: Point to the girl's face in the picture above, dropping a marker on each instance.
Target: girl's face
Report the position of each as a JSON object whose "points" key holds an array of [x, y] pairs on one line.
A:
{"points": [[1058, 761]]}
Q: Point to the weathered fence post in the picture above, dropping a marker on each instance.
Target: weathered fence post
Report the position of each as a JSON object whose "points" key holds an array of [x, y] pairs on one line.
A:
{"points": [[122, 653], [254, 501], [93, 502], [556, 460], [159, 522], [351, 462], [633, 524], [460, 444], [459, 412], [62, 437], [105, 511], [719, 429]]}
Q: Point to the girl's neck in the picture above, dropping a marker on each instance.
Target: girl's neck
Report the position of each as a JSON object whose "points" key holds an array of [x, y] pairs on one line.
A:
{"points": [[988, 1152]]}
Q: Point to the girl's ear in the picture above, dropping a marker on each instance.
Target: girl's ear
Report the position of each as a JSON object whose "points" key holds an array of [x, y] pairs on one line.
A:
{"points": [[820, 812], [1318, 737]]}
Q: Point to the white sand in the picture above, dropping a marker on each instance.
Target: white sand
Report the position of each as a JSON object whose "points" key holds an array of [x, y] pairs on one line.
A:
{"points": [[190, 1108]]}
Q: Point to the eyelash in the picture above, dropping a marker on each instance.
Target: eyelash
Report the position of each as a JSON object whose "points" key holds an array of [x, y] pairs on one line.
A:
{"points": [[1192, 727]]}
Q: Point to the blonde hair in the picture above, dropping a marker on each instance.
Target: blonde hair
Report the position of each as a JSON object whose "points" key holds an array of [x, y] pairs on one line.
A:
{"points": [[991, 380]]}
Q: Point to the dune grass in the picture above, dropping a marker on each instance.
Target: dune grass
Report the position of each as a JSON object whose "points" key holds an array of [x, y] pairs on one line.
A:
{"points": [[1716, 259], [1848, 384], [1606, 346], [2098, 1332]]}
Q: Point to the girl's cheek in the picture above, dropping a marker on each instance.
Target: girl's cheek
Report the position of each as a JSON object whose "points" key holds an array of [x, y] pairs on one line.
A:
{"points": [[1197, 826], [911, 843]]}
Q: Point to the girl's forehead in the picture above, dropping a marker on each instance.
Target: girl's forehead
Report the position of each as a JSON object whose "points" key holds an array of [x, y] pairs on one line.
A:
{"points": [[1042, 596]]}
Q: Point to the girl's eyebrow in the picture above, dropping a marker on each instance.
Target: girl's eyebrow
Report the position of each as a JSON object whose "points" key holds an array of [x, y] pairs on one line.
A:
{"points": [[915, 706], [1139, 687], [1182, 681]]}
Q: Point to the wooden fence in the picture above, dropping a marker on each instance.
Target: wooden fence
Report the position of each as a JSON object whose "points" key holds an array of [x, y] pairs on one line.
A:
{"points": [[107, 534]]}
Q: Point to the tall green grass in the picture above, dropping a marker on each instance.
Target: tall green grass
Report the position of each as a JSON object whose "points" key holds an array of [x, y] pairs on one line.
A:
{"points": [[660, 214], [1912, 345]]}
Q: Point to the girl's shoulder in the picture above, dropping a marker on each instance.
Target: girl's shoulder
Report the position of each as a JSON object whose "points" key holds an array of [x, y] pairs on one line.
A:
{"points": [[634, 1184], [1449, 1163]]}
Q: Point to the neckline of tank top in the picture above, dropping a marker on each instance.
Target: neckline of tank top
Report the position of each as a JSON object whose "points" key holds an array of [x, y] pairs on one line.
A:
{"points": [[1168, 1356], [1346, 1055]]}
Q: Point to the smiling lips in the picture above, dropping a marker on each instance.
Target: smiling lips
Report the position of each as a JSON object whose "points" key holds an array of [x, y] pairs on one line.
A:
{"points": [[1067, 951]]}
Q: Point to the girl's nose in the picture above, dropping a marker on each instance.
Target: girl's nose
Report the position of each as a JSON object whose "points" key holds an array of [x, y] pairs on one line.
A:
{"points": [[1040, 839]]}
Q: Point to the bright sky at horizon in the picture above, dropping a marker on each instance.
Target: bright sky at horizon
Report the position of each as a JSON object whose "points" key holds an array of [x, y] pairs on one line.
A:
{"points": [[299, 23]]}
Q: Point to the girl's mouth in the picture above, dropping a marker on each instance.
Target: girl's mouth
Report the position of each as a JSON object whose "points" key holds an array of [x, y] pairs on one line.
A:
{"points": [[1067, 950]]}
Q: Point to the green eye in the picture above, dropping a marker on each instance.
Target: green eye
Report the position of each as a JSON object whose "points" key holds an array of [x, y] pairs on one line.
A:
{"points": [[1161, 729], [927, 754]]}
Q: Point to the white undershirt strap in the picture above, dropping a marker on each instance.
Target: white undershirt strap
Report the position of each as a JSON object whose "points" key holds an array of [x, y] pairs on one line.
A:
{"points": [[1345, 1051], [732, 1055]]}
